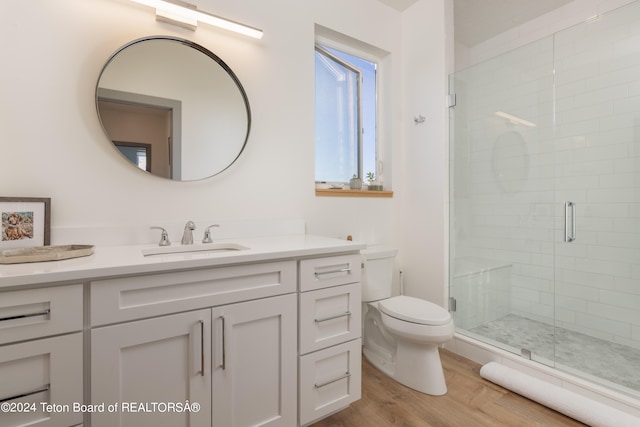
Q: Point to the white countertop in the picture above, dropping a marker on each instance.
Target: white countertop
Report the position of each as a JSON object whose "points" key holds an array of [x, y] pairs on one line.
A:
{"points": [[109, 261]]}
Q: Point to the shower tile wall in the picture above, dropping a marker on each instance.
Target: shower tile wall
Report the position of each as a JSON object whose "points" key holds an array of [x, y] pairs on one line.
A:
{"points": [[510, 180]]}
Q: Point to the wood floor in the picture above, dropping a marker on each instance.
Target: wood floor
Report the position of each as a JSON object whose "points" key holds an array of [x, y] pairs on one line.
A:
{"points": [[471, 401]]}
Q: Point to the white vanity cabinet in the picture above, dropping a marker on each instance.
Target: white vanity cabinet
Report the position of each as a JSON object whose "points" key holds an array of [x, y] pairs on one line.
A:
{"points": [[268, 335], [329, 335], [41, 356], [235, 360]]}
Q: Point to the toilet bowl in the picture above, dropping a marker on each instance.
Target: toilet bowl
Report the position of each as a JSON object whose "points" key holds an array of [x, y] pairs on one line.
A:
{"points": [[402, 333]]}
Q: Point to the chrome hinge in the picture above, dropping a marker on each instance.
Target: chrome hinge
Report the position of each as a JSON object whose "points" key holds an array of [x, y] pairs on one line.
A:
{"points": [[452, 304], [451, 100]]}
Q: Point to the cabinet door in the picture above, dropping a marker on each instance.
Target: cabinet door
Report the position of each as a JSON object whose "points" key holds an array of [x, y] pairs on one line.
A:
{"points": [[254, 367], [40, 381], [148, 365]]}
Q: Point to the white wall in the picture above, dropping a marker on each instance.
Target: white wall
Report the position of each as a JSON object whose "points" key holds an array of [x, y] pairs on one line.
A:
{"points": [[53, 145], [425, 153], [59, 149]]}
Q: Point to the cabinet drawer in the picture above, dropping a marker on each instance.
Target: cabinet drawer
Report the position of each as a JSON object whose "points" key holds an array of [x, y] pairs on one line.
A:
{"points": [[320, 273], [330, 380], [130, 298], [329, 316], [46, 371], [37, 313]]}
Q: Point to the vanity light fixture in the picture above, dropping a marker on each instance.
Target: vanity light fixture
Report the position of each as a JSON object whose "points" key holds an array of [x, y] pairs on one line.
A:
{"points": [[514, 119], [187, 15]]}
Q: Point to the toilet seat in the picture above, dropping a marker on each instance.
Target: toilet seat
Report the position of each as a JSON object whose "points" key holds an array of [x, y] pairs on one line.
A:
{"points": [[415, 310]]}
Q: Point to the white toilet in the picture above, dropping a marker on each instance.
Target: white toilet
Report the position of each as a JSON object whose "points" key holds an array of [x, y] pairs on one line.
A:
{"points": [[402, 334]]}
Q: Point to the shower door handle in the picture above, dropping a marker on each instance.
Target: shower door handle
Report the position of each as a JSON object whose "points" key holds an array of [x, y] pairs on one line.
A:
{"points": [[569, 222]]}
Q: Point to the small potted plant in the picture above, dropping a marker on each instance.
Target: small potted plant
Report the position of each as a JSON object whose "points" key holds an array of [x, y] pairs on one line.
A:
{"points": [[355, 183], [373, 184]]}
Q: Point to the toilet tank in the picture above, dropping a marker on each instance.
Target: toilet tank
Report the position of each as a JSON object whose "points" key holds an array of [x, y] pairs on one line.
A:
{"points": [[377, 272]]}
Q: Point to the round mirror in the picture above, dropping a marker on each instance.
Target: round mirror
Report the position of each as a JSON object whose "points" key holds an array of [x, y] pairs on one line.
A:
{"points": [[173, 108]]}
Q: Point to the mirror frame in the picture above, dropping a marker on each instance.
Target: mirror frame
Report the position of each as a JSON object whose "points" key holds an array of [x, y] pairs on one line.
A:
{"points": [[206, 52]]}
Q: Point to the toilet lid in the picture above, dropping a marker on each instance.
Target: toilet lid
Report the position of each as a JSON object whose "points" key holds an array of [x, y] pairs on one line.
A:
{"points": [[415, 310]]}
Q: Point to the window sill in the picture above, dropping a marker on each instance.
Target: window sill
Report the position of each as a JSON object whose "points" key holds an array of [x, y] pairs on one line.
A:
{"points": [[332, 192]]}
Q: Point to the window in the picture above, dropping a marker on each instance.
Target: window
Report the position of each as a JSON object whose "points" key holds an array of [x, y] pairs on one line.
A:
{"points": [[345, 116]]}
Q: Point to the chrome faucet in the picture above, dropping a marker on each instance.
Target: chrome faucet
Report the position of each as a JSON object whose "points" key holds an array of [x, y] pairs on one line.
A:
{"points": [[187, 237], [207, 234], [164, 237]]}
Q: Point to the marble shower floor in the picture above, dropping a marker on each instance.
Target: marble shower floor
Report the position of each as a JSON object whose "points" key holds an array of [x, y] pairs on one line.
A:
{"points": [[616, 363]]}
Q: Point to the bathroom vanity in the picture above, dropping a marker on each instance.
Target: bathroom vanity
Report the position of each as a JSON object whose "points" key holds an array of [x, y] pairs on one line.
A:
{"points": [[264, 335]]}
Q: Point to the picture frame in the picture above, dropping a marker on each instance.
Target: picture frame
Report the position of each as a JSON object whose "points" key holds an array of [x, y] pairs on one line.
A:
{"points": [[25, 222]]}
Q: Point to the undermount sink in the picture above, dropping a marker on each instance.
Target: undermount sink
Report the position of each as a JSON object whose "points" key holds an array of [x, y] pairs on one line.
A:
{"points": [[198, 248]]}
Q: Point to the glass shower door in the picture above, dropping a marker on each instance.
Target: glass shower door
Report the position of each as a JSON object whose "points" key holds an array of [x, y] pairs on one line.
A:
{"points": [[597, 164], [545, 200], [501, 201]]}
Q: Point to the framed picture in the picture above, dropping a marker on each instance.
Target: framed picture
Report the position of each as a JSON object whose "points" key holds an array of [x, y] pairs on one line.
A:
{"points": [[26, 222]]}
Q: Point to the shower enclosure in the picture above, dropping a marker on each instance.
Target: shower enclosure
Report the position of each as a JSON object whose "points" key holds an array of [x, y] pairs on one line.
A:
{"points": [[545, 200]]}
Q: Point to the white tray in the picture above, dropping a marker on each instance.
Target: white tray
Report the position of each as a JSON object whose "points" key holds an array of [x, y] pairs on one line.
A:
{"points": [[44, 253]]}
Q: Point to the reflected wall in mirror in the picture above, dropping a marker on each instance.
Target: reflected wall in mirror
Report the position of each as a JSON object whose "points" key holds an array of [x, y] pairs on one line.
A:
{"points": [[173, 108]]}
